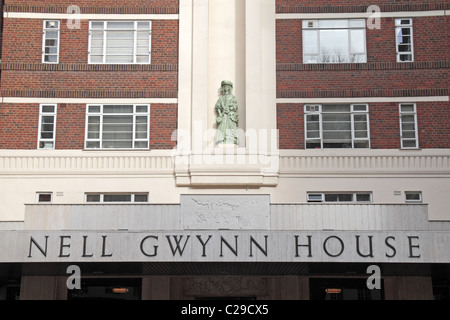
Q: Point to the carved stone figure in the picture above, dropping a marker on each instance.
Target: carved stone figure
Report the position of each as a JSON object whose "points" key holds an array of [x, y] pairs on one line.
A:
{"points": [[227, 119]]}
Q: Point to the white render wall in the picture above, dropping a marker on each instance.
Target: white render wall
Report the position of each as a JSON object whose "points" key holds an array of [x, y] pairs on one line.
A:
{"points": [[70, 174]]}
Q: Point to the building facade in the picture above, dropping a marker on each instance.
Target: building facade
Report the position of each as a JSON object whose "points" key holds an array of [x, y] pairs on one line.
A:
{"points": [[110, 170]]}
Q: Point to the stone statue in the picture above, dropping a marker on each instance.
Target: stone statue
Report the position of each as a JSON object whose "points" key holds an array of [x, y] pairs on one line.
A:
{"points": [[227, 119]]}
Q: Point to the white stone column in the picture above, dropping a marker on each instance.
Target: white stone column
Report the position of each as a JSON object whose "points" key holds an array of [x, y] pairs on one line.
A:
{"points": [[226, 53], [226, 40]]}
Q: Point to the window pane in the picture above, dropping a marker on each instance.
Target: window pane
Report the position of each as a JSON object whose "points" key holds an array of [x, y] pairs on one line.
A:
{"points": [[313, 126], [140, 198], [142, 51], [119, 35], [314, 197], [357, 38], [92, 144], [408, 126], [97, 43], [45, 197], [51, 42], [108, 144], [334, 45], [118, 126], [143, 59], [408, 118], [336, 118], [94, 109], [46, 135], [141, 109], [141, 127], [359, 107], [118, 109], [49, 109], [46, 145], [313, 144], [96, 59], [93, 198], [120, 25], [363, 197], [93, 128], [141, 145], [97, 25], [405, 57], [119, 59], [331, 197], [48, 119], [338, 41], [361, 144], [345, 197], [413, 196], [333, 23], [54, 24], [117, 198], [51, 50], [310, 42], [339, 126], [50, 58], [336, 108], [357, 23], [409, 144], [404, 48], [51, 34], [143, 24], [407, 108]]}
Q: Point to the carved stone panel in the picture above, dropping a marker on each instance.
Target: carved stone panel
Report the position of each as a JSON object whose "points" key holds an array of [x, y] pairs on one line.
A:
{"points": [[225, 286], [225, 212]]}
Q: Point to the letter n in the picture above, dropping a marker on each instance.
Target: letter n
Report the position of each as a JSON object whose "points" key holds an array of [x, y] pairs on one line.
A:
{"points": [[43, 251]]}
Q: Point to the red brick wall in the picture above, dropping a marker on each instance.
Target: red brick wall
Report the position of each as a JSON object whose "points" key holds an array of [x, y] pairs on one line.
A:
{"points": [[433, 125], [23, 42], [23, 74], [290, 121], [381, 76], [381, 72], [19, 126], [163, 123], [23, 71]]}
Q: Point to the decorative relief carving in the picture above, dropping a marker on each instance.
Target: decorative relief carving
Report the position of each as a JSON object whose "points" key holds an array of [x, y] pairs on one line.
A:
{"points": [[225, 286], [225, 212]]}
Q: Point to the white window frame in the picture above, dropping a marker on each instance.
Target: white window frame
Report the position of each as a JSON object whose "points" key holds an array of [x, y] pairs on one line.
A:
{"points": [[314, 25], [47, 114], [319, 197], [316, 109], [416, 131], [419, 193], [101, 114], [38, 194], [44, 38], [102, 197], [105, 30], [398, 27]]}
